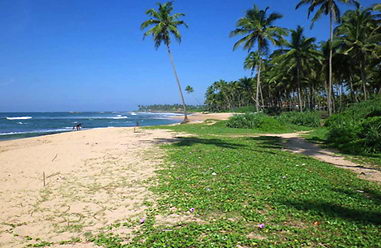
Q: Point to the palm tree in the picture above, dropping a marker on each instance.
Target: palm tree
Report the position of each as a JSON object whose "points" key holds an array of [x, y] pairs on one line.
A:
{"points": [[360, 38], [327, 7], [377, 7], [297, 56], [163, 26], [257, 28], [251, 62], [189, 89]]}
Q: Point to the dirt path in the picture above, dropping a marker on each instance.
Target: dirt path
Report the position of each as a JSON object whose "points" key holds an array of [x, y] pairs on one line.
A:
{"points": [[294, 143]]}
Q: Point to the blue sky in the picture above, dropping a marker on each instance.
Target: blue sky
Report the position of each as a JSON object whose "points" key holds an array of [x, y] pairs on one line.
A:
{"points": [[89, 55]]}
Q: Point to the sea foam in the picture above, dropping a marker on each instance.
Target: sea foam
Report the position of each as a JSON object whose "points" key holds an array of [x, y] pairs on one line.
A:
{"points": [[19, 118]]}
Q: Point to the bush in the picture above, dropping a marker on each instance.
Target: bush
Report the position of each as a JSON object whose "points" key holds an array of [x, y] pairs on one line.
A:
{"points": [[253, 120], [357, 129], [308, 119], [371, 134]]}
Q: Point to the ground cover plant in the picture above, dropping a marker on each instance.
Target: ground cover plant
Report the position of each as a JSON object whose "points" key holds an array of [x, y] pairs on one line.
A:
{"points": [[248, 192]]}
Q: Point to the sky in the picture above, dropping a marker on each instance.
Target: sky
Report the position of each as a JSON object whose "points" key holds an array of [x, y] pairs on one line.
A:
{"points": [[89, 55]]}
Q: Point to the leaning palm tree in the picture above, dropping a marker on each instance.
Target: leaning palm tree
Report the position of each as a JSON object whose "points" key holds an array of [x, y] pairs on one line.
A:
{"points": [[327, 7], [164, 24], [257, 28], [297, 56]]}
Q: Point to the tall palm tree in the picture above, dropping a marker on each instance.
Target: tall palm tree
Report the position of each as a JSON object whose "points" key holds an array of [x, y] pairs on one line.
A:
{"points": [[251, 62], [164, 25], [257, 27], [360, 37], [297, 56], [327, 7]]}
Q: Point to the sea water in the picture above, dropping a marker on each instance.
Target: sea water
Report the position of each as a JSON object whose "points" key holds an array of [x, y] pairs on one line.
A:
{"points": [[28, 124]]}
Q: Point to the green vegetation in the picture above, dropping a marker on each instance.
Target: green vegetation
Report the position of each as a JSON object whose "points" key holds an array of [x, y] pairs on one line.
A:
{"points": [[278, 123], [254, 120], [358, 129], [169, 108], [246, 191], [302, 73], [308, 119]]}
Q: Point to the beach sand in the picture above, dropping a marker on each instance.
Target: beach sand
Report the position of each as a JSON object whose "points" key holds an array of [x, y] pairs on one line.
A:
{"points": [[93, 178], [200, 117]]}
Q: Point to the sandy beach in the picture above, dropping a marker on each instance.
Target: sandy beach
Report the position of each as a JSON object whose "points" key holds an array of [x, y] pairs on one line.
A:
{"points": [[93, 178], [200, 117]]}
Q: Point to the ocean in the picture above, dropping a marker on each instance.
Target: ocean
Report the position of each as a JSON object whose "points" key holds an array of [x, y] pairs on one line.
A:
{"points": [[29, 124]]}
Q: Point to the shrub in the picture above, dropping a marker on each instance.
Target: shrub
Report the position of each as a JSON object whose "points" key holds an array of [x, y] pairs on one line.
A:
{"points": [[253, 120], [371, 134], [357, 129], [308, 119]]}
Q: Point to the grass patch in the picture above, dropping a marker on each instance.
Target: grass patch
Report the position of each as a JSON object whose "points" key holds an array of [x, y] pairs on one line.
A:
{"points": [[220, 128], [234, 185]]}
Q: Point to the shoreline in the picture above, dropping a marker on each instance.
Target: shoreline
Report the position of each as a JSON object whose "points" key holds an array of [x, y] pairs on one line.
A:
{"points": [[37, 132], [195, 117], [60, 186]]}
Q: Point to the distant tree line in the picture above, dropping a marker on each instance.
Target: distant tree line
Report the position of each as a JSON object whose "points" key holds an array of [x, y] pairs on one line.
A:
{"points": [[169, 108]]}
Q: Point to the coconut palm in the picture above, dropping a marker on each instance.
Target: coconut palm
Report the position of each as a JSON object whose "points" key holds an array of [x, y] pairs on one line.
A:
{"points": [[189, 89], [163, 24], [327, 7], [377, 7], [297, 56], [252, 61], [360, 38], [257, 28]]}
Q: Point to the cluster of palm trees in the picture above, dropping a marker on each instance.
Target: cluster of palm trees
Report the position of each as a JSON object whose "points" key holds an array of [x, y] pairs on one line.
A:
{"points": [[300, 73]]}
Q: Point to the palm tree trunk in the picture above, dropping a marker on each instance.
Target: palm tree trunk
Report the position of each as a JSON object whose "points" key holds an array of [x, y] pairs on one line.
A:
{"points": [[257, 106], [299, 88], [329, 100], [178, 84], [262, 101], [353, 97], [363, 79]]}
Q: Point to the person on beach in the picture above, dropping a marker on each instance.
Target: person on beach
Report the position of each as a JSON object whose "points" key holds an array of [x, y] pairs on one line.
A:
{"points": [[77, 127]]}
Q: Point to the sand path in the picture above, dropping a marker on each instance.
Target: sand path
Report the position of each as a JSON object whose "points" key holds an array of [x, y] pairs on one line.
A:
{"points": [[294, 143], [200, 117], [94, 178]]}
